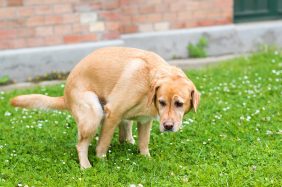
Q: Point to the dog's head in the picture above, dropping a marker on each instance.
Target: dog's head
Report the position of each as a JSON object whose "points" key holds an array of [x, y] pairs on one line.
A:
{"points": [[173, 97]]}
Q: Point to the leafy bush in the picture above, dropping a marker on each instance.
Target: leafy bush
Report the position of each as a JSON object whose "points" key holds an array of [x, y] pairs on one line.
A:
{"points": [[198, 50]]}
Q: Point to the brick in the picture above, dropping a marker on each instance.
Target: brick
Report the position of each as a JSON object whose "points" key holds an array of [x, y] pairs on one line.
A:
{"points": [[145, 27], [2, 3], [34, 21], [183, 15], [53, 40], [62, 29], [82, 8], [14, 2], [53, 20], [112, 26], [8, 33], [32, 2], [46, 2], [79, 38], [146, 9], [110, 4], [129, 28], [161, 26], [25, 11], [35, 42], [183, 24], [17, 43], [7, 13], [26, 32], [171, 17], [44, 31], [154, 18], [62, 8], [139, 19], [90, 17], [130, 10], [78, 28], [11, 23], [5, 44], [110, 16], [97, 27], [154, 2], [111, 35], [71, 18], [44, 10]]}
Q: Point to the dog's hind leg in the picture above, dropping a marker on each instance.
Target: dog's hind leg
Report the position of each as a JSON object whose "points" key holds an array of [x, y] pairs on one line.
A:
{"points": [[125, 132], [88, 114]]}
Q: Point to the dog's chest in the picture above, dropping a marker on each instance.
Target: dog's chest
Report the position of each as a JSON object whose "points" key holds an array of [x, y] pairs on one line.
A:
{"points": [[141, 113], [143, 119]]}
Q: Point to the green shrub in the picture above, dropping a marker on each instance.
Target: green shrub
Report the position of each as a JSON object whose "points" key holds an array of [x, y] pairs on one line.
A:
{"points": [[4, 80], [198, 50]]}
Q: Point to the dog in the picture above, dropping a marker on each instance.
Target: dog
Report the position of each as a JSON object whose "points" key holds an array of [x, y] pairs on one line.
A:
{"points": [[114, 85]]}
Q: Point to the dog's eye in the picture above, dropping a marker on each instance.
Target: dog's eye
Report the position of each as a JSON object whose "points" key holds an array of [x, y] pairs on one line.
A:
{"points": [[178, 104], [162, 103]]}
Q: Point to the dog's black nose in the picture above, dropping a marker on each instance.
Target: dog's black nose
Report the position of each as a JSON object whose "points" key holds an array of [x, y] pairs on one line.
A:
{"points": [[168, 126]]}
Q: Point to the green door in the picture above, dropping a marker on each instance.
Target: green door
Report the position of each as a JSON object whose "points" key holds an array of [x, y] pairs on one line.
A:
{"points": [[253, 10]]}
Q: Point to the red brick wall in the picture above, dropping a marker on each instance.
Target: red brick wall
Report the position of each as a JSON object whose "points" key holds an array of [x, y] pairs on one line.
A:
{"points": [[32, 23]]}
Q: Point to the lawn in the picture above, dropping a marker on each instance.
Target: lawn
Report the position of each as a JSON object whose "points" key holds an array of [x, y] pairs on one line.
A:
{"points": [[235, 138]]}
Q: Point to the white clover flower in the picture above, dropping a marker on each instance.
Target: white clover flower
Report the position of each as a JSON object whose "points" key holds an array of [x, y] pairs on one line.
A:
{"points": [[268, 132], [185, 122], [7, 113]]}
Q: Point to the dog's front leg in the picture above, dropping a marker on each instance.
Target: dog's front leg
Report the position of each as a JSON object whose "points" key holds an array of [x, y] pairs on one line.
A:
{"points": [[144, 137], [125, 132], [108, 129]]}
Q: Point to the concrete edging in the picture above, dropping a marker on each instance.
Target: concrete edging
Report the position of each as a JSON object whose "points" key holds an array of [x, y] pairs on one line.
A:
{"points": [[223, 40], [182, 63]]}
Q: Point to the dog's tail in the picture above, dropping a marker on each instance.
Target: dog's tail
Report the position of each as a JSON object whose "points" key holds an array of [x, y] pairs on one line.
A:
{"points": [[39, 101]]}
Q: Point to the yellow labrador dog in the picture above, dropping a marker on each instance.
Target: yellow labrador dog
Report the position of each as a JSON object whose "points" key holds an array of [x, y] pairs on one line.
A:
{"points": [[116, 84]]}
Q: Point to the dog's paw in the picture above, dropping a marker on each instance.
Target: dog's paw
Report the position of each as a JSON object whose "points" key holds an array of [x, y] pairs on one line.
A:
{"points": [[101, 156], [145, 153], [85, 166], [131, 141]]}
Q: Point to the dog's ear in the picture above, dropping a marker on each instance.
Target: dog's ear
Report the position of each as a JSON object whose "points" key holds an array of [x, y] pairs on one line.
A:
{"points": [[195, 99], [152, 93]]}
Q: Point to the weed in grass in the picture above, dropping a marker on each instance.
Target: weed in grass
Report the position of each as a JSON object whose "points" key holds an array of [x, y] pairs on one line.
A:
{"points": [[233, 140], [4, 80], [198, 50]]}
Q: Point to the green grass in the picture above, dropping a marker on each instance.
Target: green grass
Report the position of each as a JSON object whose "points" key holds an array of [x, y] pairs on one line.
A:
{"points": [[235, 138]]}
